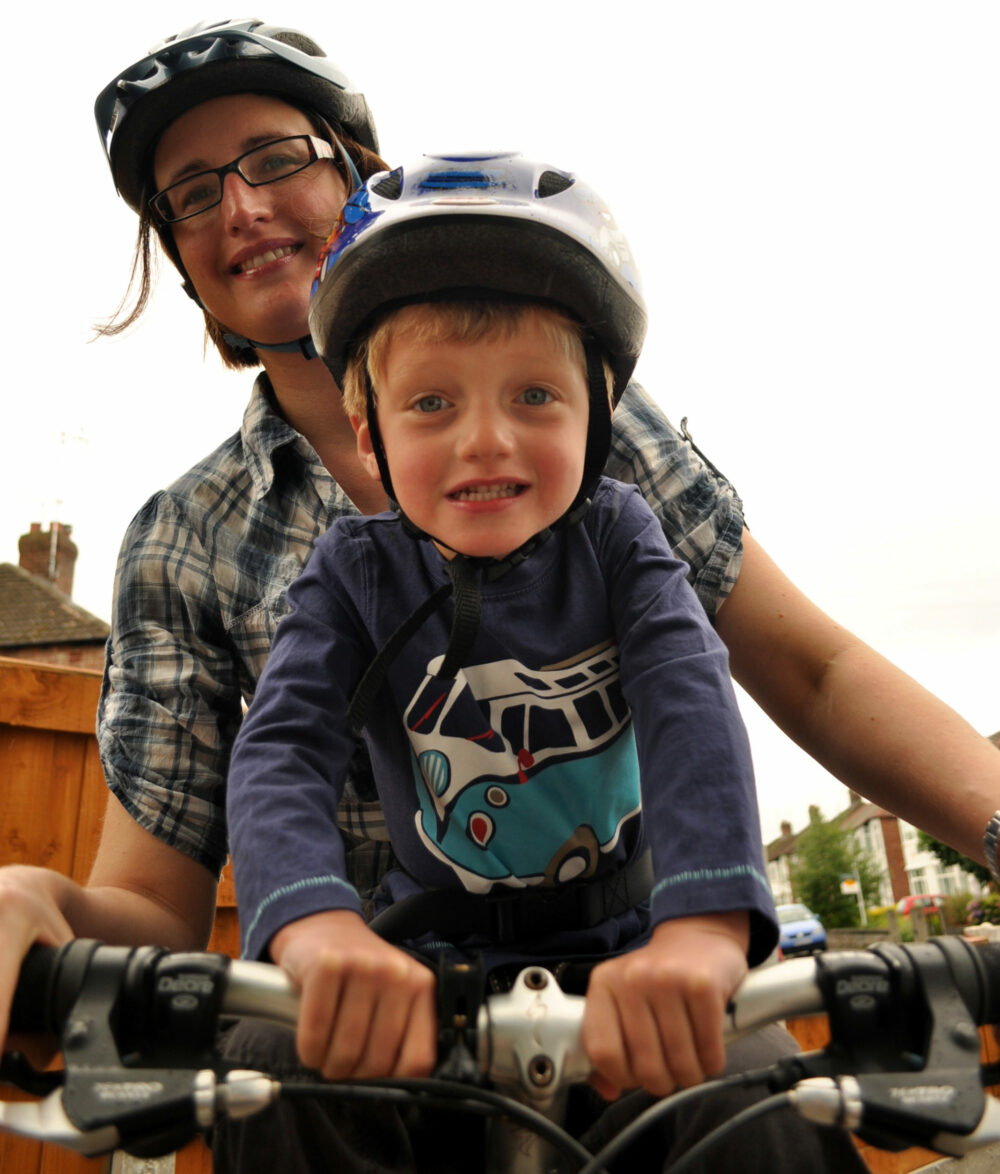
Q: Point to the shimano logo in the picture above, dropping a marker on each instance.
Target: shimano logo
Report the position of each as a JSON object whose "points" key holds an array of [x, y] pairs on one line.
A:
{"points": [[138, 1091], [185, 984], [925, 1094]]}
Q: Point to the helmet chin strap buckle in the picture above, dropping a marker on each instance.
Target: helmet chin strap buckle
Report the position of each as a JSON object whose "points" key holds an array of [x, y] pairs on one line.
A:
{"points": [[303, 346]]}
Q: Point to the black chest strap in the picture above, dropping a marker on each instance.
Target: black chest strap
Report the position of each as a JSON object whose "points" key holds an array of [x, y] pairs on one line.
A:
{"points": [[523, 916]]}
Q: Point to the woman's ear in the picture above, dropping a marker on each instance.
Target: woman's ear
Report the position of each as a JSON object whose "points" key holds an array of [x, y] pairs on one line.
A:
{"points": [[366, 454]]}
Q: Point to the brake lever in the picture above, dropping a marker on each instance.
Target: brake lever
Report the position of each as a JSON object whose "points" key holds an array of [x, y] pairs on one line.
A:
{"points": [[46, 1120], [985, 1133]]}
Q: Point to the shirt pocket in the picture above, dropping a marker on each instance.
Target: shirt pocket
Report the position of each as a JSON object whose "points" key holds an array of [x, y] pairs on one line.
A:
{"points": [[252, 631]]}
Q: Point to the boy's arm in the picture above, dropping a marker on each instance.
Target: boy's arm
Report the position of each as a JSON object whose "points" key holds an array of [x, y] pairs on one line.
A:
{"points": [[367, 1009], [698, 796], [654, 1016], [864, 719], [290, 760]]}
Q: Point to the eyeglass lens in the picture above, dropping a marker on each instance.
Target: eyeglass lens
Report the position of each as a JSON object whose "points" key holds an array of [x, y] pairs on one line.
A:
{"points": [[265, 164]]}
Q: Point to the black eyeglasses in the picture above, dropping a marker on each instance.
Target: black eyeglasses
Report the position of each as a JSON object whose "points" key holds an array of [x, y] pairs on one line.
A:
{"points": [[264, 164]]}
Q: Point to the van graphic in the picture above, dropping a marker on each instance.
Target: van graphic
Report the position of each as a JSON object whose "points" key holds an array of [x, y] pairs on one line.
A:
{"points": [[523, 775]]}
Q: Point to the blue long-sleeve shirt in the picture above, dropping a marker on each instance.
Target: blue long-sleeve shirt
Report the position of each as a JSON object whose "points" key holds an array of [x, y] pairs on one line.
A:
{"points": [[595, 715]]}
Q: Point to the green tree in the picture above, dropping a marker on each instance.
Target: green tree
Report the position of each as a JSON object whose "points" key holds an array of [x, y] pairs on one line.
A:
{"points": [[826, 854], [949, 856]]}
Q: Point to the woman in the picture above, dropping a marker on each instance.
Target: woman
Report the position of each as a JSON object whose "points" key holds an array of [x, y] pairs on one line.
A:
{"points": [[205, 564]]}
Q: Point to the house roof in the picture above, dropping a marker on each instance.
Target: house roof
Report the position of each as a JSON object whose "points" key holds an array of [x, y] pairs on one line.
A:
{"points": [[33, 612], [858, 814], [782, 846], [850, 819]]}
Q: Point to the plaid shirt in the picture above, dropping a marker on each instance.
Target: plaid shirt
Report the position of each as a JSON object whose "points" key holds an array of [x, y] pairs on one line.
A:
{"points": [[201, 584]]}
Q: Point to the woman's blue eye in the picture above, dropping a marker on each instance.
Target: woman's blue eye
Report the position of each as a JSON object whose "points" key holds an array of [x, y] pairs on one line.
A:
{"points": [[536, 396], [201, 192], [277, 162]]}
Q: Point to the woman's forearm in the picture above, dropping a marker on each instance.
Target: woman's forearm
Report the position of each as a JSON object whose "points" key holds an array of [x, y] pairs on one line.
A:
{"points": [[141, 890], [862, 718]]}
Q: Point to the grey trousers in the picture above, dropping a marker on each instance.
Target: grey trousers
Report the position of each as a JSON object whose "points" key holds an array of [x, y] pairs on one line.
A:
{"points": [[320, 1136]]}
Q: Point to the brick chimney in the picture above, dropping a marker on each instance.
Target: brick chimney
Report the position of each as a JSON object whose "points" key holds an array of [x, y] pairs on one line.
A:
{"points": [[50, 554], [786, 828]]}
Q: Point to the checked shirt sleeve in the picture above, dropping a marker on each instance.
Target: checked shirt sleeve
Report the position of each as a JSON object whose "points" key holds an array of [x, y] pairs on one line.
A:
{"points": [[700, 512], [171, 705]]}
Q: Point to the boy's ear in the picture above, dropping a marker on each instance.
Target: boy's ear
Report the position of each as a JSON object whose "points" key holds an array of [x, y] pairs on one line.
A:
{"points": [[366, 454]]}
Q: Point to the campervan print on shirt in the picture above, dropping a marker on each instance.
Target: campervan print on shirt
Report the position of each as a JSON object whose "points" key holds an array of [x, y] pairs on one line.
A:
{"points": [[523, 774]]}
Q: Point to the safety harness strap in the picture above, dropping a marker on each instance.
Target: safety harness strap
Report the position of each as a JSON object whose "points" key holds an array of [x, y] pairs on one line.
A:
{"points": [[372, 681], [465, 624], [520, 917]]}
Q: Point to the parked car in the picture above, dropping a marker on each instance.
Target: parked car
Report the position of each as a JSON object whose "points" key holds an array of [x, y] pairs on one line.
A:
{"points": [[802, 931], [928, 902]]}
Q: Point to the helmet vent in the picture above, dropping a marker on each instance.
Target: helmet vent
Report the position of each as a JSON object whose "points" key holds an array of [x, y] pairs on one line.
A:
{"points": [[390, 188], [551, 183], [449, 180]]}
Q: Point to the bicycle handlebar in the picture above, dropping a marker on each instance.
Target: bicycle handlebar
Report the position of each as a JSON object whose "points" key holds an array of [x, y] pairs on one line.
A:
{"points": [[902, 1068]]}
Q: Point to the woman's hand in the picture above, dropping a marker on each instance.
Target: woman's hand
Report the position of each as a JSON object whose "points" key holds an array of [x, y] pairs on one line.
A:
{"points": [[654, 1016], [29, 913], [367, 1009]]}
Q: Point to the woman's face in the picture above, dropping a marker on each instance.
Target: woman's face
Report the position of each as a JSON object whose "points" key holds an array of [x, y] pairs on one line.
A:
{"points": [[253, 256]]}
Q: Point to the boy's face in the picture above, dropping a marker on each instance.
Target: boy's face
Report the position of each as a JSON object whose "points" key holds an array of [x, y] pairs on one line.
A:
{"points": [[485, 440]]}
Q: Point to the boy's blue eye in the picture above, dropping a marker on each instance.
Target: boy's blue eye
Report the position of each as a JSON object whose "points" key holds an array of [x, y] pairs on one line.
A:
{"points": [[430, 403], [536, 396]]}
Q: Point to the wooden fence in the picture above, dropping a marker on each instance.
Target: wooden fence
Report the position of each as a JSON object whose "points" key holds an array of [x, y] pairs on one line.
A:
{"points": [[52, 797]]}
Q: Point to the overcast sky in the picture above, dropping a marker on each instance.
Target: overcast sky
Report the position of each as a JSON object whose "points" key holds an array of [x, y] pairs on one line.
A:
{"points": [[812, 193]]}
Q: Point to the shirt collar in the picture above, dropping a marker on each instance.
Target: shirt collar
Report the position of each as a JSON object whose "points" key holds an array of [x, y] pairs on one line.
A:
{"points": [[263, 432]]}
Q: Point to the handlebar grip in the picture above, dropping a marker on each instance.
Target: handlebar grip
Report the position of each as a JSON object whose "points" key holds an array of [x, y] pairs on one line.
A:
{"points": [[29, 1011], [49, 979], [976, 971]]}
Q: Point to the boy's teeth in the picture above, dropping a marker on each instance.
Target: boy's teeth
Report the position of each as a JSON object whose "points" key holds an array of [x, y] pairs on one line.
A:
{"points": [[486, 492]]}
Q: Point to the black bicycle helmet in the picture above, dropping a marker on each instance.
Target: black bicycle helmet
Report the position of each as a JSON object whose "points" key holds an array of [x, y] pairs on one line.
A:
{"points": [[209, 60]]}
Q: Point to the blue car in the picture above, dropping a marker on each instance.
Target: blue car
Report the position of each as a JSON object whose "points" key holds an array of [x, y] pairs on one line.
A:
{"points": [[802, 931]]}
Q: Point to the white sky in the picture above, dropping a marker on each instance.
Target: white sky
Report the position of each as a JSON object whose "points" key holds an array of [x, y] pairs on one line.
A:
{"points": [[812, 193]]}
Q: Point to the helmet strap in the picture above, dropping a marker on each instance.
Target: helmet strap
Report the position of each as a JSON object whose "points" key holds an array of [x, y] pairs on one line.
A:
{"points": [[371, 418], [598, 424], [303, 346]]}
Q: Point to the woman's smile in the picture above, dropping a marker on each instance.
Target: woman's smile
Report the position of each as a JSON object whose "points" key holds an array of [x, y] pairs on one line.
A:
{"points": [[257, 257]]}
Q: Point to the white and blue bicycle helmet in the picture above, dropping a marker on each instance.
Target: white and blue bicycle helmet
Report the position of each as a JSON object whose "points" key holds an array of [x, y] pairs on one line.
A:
{"points": [[481, 226]]}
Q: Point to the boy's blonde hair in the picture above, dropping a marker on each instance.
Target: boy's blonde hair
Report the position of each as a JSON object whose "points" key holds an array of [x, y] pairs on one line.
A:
{"points": [[465, 321]]}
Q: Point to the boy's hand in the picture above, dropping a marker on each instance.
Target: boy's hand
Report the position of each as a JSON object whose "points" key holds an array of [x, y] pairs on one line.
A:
{"points": [[367, 1009], [654, 1016]]}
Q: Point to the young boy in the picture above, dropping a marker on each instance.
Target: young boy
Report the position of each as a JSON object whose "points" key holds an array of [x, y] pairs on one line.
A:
{"points": [[560, 721]]}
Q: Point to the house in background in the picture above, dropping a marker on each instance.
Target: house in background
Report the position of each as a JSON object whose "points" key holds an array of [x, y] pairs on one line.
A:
{"points": [[904, 868], [38, 619]]}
